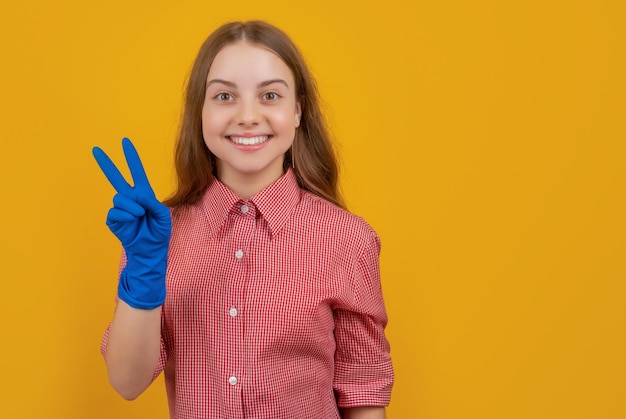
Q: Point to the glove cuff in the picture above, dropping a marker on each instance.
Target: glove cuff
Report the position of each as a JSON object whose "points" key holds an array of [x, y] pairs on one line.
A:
{"points": [[140, 294]]}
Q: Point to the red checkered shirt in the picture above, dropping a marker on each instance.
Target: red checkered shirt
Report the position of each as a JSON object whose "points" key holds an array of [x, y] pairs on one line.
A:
{"points": [[274, 308]]}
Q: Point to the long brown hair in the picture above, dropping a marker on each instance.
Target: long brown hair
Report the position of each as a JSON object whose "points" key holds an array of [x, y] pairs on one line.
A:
{"points": [[312, 153]]}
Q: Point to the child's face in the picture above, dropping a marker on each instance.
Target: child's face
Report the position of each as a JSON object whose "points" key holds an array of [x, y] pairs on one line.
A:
{"points": [[250, 113]]}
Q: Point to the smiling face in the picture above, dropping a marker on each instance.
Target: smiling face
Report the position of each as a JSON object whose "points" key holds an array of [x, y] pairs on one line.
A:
{"points": [[250, 115]]}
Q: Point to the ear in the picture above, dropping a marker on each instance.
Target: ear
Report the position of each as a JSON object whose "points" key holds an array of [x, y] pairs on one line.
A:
{"points": [[298, 113]]}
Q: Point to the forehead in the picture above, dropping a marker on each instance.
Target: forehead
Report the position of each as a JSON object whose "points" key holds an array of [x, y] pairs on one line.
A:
{"points": [[243, 61]]}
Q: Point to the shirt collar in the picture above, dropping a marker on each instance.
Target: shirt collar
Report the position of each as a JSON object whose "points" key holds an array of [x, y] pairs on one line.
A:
{"points": [[275, 203]]}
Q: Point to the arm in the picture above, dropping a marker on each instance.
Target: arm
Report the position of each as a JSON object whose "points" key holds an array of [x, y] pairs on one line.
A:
{"points": [[133, 349], [143, 226], [365, 412]]}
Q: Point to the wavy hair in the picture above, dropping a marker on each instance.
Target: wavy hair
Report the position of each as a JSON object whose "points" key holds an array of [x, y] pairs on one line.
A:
{"points": [[312, 153]]}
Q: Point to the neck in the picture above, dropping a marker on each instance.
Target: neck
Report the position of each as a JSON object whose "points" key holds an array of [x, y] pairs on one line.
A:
{"points": [[245, 185]]}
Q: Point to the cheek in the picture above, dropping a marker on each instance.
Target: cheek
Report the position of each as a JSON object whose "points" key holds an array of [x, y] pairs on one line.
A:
{"points": [[212, 121], [285, 119]]}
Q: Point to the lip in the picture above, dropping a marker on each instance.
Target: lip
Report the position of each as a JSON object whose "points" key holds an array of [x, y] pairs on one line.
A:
{"points": [[249, 134]]}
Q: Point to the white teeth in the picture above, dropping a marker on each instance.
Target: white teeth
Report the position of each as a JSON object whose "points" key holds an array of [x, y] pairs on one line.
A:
{"points": [[249, 140]]}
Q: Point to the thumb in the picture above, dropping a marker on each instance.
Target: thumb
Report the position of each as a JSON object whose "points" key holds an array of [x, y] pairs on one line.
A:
{"points": [[153, 206]]}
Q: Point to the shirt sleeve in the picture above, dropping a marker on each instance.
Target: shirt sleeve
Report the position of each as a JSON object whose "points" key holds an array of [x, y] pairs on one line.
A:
{"points": [[105, 338], [363, 370]]}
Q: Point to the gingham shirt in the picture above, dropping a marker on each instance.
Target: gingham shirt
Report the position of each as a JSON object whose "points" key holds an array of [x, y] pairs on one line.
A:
{"points": [[274, 308]]}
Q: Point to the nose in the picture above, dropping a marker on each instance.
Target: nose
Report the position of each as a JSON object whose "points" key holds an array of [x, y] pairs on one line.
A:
{"points": [[249, 113]]}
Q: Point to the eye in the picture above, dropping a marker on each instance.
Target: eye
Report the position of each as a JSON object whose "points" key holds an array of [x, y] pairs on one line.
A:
{"points": [[224, 97], [271, 96]]}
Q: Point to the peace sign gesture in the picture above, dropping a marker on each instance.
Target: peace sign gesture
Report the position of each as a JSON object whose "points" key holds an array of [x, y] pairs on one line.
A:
{"points": [[143, 225]]}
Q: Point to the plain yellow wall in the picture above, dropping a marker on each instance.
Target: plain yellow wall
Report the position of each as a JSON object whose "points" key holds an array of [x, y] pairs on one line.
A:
{"points": [[484, 140]]}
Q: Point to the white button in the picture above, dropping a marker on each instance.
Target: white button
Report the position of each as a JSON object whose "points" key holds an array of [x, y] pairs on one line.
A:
{"points": [[244, 208], [232, 312], [239, 254], [232, 380]]}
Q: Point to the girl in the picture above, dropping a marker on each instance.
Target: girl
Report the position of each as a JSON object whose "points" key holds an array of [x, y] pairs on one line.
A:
{"points": [[252, 288]]}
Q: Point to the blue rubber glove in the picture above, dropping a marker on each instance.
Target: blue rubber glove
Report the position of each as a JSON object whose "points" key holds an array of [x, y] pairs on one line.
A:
{"points": [[143, 225]]}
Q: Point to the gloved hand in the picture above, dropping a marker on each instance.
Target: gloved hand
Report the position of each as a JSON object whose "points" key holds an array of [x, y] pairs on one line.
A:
{"points": [[143, 225]]}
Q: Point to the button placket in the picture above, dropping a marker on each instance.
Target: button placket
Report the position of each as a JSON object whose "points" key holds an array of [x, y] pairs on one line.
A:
{"points": [[244, 224]]}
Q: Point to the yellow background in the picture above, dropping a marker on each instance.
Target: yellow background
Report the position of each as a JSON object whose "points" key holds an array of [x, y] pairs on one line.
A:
{"points": [[484, 140]]}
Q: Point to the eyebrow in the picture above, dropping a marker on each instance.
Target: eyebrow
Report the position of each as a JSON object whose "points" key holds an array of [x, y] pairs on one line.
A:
{"points": [[233, 85]]}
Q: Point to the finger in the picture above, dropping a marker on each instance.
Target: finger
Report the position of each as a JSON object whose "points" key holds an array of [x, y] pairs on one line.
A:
{"points": [[110, 171], [126, 204], [134, 164], [117, 215]]}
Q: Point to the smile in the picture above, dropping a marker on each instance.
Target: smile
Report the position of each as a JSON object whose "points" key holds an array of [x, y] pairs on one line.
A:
{"points": [[249, 140]]}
